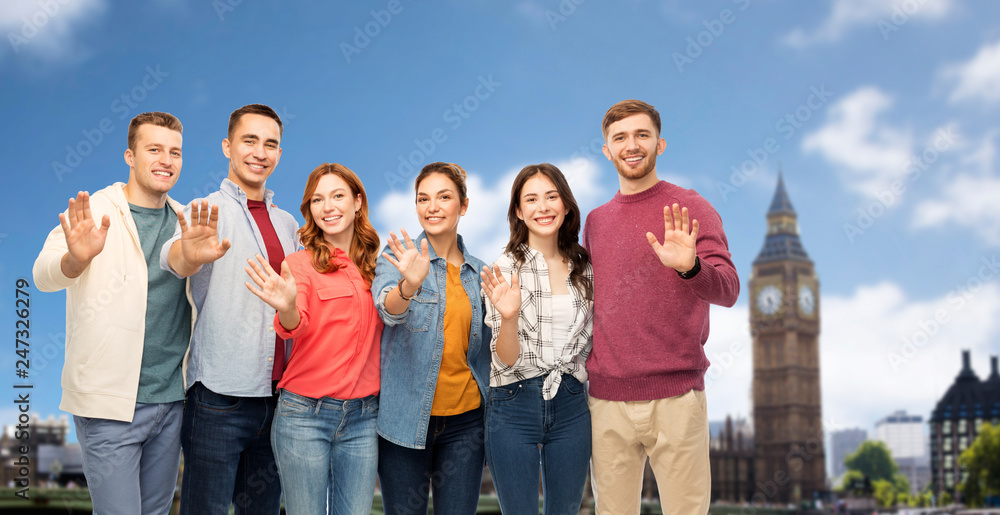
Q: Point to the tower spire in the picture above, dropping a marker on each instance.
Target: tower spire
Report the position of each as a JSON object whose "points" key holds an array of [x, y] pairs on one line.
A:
{"points": [[782, 241]]}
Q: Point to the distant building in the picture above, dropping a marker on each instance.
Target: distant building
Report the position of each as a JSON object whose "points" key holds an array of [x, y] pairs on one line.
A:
{"points": [[906, 439], [46, 444], [732, 458], [956, 421], [842, 444]]}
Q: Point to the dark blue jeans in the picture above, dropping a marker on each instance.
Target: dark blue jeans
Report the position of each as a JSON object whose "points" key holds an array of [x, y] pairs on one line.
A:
{"points": [[227, 454], [525, 433], [450, 466]]}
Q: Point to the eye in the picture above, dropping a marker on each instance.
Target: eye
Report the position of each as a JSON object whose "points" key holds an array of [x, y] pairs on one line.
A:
{"points": [[339, 196], [272, 146], [422, 199], [153, 150], [178, 154], [317, 199]]}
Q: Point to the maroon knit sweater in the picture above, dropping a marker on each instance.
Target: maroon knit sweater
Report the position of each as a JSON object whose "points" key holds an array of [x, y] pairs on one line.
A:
{"points": [[650, 325]]}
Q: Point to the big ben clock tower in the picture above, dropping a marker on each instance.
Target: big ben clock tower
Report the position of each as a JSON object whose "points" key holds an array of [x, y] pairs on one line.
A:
{"points": [[784, 321]]}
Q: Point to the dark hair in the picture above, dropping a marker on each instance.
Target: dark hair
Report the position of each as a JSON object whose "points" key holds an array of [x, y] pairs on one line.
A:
{"points": [[569, 232], [260, 109], [364, 245], [449, 170], [627, 108], [153, 118]]}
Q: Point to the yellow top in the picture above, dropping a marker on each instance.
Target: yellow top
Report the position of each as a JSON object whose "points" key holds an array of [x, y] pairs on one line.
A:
{"points": [[456, 391]]}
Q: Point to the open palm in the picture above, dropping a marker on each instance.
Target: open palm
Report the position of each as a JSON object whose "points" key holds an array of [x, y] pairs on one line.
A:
{"points": [[506, 298], [679, 238], [278, 291], [412, 264], [84, 239], [200, 242]]}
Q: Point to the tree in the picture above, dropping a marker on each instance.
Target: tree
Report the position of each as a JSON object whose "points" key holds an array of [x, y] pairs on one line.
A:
{"points": [[981, 462], [873, 460]]}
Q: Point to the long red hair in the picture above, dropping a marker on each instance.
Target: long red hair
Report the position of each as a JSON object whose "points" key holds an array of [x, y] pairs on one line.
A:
{"points": [[364, 244]]}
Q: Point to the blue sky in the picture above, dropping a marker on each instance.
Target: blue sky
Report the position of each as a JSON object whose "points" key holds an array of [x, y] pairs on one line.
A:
{"points": [[847, 92]]}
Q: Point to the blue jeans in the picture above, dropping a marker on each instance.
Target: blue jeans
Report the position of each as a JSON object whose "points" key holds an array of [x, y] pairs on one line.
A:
{"points": [[525, 432], [227, 454], [450, 466], [122, 459], [327, 452]]}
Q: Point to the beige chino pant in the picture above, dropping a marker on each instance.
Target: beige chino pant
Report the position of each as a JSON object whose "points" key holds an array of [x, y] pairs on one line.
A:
{"points": [[672, 432]]}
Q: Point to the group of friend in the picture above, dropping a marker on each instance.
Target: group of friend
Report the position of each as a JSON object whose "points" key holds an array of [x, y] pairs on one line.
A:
{"points": [[318, 363]]}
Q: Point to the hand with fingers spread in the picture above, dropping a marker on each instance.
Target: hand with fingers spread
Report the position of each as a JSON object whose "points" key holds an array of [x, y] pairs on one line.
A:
{"points": [[506, 298], [679, 237], [84, 239], [412, 264], [277, 290], [199, 243]]}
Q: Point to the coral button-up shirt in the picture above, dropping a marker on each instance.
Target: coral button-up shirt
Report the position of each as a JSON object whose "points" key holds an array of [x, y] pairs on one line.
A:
{"points": [[337, 342]]}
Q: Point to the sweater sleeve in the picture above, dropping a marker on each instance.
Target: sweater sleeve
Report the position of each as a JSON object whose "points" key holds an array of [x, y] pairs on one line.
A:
{"points": [[47, 270], [717, 281]]}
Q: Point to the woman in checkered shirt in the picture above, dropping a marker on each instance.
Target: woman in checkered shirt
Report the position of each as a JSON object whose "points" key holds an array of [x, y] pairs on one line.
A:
{"points": [[542, 321]]}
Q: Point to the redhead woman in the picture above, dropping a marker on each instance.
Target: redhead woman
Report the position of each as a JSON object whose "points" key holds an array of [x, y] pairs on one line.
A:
{"points": [[435, 357], [540, 308], [324, 433]]}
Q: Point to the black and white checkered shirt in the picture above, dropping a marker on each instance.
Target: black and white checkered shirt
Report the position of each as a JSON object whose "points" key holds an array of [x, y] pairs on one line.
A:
{"points": [[534, 328]]}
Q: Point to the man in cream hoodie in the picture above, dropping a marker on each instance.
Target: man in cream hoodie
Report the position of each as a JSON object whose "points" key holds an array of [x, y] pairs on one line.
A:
{"points": [[128, 324]]}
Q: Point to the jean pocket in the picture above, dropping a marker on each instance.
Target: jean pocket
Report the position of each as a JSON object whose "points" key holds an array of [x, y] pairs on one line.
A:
{"points": [[504, 393], [421, 310], [290, 406], [572, 385], [208, 399]]}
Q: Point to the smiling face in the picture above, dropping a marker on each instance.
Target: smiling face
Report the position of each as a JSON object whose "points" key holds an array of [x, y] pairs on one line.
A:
{"points": [[253, 152], [438, 205], [541, 209], [154, 165], [632, 144], [334, 208]]}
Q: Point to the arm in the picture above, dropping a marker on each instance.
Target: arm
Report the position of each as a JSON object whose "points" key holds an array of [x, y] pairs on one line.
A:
{"points": [[198, 244], [71, 247], [503, 307]]}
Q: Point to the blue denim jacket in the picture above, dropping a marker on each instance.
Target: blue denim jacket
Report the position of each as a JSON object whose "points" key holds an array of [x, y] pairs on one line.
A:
{"points": [[232, 344], [413, 342]]}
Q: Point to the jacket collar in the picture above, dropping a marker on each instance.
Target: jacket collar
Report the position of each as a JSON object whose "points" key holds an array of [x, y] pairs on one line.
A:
{"points": [[230, 189]]}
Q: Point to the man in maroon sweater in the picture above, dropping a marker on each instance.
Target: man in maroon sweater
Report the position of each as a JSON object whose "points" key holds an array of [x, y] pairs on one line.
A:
{"points": [[651, 302]]}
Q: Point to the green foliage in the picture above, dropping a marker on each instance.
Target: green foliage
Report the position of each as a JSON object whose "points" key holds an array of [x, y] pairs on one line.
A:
{"points": [[850, 476], [885, 493], [946, 499], [982, 464], [874, 460]]}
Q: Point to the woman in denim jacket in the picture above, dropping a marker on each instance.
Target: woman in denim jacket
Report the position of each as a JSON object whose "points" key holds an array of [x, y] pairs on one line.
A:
{"points": [[435, 357]]}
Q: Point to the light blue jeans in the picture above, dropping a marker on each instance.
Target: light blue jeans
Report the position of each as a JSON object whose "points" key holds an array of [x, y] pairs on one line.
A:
{"points": [[327, 453], [122, 459]]}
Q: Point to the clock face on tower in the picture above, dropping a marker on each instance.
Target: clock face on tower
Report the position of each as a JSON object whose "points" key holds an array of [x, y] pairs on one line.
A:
{"points": [[768, 300], [807, 300]]}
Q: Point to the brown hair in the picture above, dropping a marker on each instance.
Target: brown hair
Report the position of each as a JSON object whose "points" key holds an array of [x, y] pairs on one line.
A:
{"points": [[627, 108], [154, 118], [449, 170], [569, 232], [364, 245], [260, 109]]}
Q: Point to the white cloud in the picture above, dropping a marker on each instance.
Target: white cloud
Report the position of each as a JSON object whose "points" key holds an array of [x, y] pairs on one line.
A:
{"points": [[867, 368], [977, 79], [847, 14], [484, 229], [968, 200], [47, 29], [871, 151]]}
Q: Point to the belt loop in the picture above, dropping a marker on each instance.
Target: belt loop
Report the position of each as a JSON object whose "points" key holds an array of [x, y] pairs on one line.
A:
{"points": [[319, 404]]}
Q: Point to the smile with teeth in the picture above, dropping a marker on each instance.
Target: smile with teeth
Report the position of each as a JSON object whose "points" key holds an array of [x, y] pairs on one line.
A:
{"points": [[633, 159], [434, 219], [162, 173], [545, 220], [332, 219], [256, 167]]}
